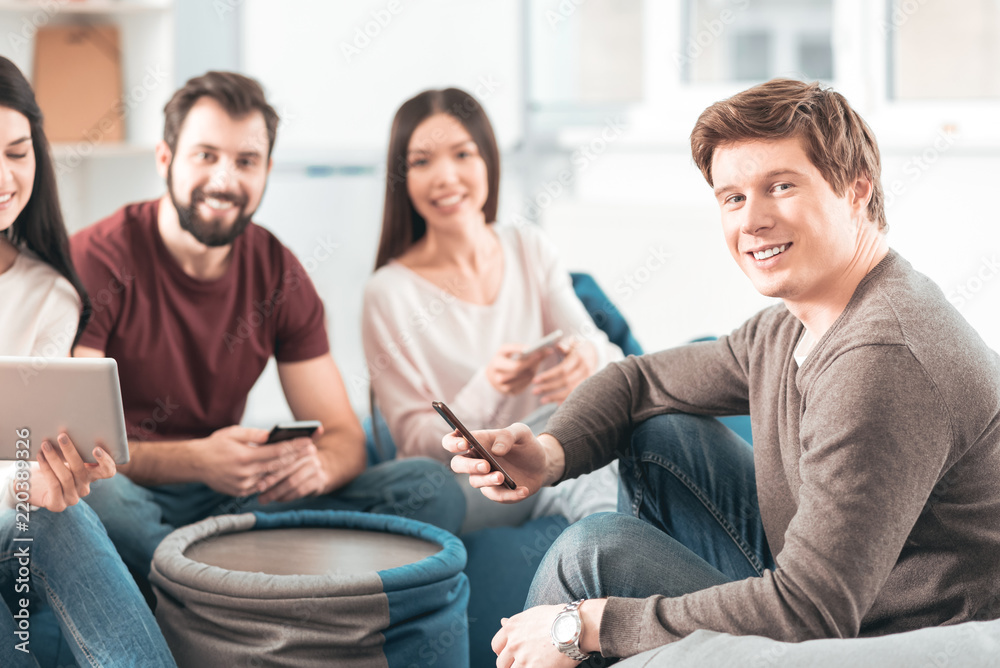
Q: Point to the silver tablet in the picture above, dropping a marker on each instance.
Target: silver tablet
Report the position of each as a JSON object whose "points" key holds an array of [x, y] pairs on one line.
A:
{"points": [[41, 397]]}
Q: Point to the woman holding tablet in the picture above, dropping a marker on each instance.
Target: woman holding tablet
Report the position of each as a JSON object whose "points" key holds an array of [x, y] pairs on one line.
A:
{"points": [[73, 565], [457, 298]]}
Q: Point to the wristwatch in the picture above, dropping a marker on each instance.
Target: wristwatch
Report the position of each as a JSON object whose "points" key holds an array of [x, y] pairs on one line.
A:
{"points": [[567, 628]]}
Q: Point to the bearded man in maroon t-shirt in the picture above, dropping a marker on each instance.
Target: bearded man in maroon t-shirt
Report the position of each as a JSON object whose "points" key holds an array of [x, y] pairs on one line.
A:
{"points": [[192, 299]]}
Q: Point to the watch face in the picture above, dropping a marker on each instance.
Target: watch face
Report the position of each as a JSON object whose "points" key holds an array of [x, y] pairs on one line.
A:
{"points": [[565, 628]]}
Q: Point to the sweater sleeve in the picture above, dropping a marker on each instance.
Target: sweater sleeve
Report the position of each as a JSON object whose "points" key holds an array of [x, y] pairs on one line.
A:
{"points": [[707, 378], [562, 309], [865, 482], [394, 359]]}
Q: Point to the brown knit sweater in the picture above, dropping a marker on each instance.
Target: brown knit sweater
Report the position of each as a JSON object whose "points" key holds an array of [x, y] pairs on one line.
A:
{"points": [[877, 466]]}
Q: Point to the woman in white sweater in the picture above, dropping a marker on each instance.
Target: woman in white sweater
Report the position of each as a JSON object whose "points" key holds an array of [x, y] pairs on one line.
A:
{"points": [[53, 549], [456, 297]]}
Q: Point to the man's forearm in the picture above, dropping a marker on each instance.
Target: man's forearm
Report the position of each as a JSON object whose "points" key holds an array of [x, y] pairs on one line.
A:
{"points": [[342, 453], [161, 462]]}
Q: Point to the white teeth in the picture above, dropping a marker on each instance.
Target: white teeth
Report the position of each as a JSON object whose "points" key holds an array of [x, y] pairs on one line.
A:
{"points": [[4, 198], [770, 252], [448, 201], [217, 204]]}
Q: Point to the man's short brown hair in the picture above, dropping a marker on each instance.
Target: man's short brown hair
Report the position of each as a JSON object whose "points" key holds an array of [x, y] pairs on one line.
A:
{"points": [[836, 139], [237, 94]]}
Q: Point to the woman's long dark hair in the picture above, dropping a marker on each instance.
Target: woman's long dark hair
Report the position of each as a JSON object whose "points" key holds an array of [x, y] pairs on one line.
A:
{"points": [[402, 226], [40, 227]]}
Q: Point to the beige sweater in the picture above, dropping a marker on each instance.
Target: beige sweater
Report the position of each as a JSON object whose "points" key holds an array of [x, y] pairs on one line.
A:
{"points": [[877, 465], [422, 344]]}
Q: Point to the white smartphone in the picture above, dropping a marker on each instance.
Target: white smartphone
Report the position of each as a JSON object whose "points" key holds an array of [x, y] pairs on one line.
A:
{"points": [[545, 342]]}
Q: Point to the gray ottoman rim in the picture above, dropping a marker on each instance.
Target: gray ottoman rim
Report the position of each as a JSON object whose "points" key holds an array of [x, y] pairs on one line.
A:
{"points": [[171, 564]]}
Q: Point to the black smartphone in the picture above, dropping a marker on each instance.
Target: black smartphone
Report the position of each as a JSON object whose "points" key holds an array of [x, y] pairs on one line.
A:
{"points": [[476, 446], [286, 431]]}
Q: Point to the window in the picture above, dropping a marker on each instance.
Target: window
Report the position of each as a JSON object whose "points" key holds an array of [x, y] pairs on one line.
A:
{"points": [[756, 40]]}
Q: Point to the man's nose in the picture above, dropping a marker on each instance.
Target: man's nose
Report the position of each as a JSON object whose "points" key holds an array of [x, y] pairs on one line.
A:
{"points": [[758, 215]]}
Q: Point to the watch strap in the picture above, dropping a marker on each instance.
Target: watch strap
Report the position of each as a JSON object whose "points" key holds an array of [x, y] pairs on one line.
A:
{"points": [[572, 650]]}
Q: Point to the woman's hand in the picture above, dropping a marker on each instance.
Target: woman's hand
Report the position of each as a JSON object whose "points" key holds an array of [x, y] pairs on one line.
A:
{"points": [[531, 462], [62, 478], [579, 363], [510, 375]]}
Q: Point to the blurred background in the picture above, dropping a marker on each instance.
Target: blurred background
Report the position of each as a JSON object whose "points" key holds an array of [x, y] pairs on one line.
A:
{"points": [[592, 101]]}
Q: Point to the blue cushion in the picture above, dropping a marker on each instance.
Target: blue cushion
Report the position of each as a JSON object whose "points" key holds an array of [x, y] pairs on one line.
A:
{"points": [[502, 562], [605, 314]]}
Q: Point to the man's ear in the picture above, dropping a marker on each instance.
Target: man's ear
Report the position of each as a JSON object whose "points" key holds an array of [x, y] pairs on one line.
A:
{"points": [[163, 157], [270, 164], [860, 194]]}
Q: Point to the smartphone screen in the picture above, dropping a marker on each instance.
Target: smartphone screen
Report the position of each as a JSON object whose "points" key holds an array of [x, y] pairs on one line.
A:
{"points": [[476, 446], [289, 430]]}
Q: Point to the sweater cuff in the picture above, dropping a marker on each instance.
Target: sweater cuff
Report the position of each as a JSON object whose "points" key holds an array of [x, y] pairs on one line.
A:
{"points": [[620, 626], [570, 436]]}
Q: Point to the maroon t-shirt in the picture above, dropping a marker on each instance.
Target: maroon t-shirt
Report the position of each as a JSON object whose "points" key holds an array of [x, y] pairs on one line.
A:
{"points": [[188, 351]]}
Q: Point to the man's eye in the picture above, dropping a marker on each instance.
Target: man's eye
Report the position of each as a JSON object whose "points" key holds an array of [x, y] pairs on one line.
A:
{"points": [[783, 186], [735, 199]]}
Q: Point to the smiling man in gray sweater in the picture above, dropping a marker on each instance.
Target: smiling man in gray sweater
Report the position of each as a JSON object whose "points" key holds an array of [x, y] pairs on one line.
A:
{"points": [[870, 501]]}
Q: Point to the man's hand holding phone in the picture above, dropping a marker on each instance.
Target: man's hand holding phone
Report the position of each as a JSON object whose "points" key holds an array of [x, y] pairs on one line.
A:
{"points": [[532, 462], [235, 460], [305, 476]]}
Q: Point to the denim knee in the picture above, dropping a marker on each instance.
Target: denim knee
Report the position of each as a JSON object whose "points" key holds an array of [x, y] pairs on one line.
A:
{"points": [[572, 568], [78, 524]]}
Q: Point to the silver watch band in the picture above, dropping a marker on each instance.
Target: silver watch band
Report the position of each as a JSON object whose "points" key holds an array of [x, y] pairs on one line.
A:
{"points": [[573, 650]]}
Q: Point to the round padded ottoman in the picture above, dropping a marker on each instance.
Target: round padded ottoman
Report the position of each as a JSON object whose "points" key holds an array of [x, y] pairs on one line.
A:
{"points": [[312, 588]]}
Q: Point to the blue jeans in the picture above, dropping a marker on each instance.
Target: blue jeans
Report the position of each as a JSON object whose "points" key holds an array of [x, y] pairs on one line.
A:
{"points": [[687, 519], [75, 570], [138, 518]]}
